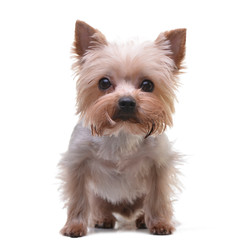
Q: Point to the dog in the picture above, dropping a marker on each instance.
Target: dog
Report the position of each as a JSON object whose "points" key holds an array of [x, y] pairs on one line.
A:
{"points": [[119, 160]]}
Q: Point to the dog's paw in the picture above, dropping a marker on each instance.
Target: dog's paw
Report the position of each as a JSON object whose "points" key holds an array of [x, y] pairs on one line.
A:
{"points": [[161, 229], [105, 224], [74, 230]]}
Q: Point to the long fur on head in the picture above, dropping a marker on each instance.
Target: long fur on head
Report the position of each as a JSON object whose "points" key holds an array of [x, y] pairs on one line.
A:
{"points": [[126, 65]]}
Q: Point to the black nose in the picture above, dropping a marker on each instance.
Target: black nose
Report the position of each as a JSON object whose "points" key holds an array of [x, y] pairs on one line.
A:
{"points": [[127, 104]]}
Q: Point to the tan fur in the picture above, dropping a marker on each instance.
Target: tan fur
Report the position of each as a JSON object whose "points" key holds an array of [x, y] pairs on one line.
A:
{"points": [[115, 166], [150, 112]]}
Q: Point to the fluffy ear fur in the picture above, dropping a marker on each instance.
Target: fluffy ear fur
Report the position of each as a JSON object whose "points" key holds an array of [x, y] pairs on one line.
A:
{"points": [[86, 37], [177, 40]]}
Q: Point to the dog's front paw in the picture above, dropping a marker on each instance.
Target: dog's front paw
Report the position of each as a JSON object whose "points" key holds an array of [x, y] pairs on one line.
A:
{"points": [[161, 229], [74, 230]]}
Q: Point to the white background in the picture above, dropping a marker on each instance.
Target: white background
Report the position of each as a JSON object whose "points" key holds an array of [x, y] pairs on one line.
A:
{"points": [[37, 107]]}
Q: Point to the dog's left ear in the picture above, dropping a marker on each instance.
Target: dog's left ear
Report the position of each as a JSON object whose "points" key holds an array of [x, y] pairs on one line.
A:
{"points": [[177, 40], [87, 37]]}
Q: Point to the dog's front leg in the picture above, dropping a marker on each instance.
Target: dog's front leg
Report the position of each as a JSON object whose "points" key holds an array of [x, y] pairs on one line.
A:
{"points": [[157, 205], [75, 191]]}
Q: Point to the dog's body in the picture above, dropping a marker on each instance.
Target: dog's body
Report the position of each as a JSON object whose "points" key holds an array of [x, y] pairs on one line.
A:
{"points": [[119, 160]]}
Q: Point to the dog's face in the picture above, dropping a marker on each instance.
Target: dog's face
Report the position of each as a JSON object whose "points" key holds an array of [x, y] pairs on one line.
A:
{"points": [[127, 87]]}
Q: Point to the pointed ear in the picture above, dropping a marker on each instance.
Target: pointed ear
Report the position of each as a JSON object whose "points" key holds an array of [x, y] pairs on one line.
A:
{"points": [[177, 40], [86, 37]]}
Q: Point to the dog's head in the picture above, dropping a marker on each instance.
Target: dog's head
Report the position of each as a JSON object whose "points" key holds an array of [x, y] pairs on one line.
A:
{"points": [[128, 87]]}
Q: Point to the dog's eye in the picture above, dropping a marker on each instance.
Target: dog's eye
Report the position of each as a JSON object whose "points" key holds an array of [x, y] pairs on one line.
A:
{"points": [[147, 86], [104, 83]]}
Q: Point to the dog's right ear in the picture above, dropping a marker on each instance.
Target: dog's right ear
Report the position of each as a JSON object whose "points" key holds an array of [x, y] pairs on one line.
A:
{"points": [[87, 37]]}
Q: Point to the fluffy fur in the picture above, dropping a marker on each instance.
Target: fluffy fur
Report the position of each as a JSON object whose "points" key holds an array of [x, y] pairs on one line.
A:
{"points": [[122, 166]]}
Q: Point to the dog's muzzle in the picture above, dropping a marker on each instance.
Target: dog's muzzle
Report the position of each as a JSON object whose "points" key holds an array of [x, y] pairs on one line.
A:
{"points": [[126, 108]]}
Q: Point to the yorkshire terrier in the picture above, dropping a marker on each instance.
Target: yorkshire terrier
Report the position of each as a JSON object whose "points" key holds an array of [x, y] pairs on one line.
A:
{"points": [[119, 160]]}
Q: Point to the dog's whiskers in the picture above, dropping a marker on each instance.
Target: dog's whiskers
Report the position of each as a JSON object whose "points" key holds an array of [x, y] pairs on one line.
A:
{"points": [[110, 120], [151, 130]]}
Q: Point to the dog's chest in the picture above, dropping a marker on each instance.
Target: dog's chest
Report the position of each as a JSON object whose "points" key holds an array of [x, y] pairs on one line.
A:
{"points": [[119, 175], [116, 184]]}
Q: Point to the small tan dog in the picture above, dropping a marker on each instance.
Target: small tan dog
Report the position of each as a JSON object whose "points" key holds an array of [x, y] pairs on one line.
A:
{"points": [[119, 159]]}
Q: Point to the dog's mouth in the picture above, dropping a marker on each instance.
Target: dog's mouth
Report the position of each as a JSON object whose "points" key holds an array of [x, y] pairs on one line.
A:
{"points": [[124, 116]]}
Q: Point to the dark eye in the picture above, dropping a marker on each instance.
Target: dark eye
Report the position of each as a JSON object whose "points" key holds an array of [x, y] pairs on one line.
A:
{"points": [[104, 83], [147, 86]]}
